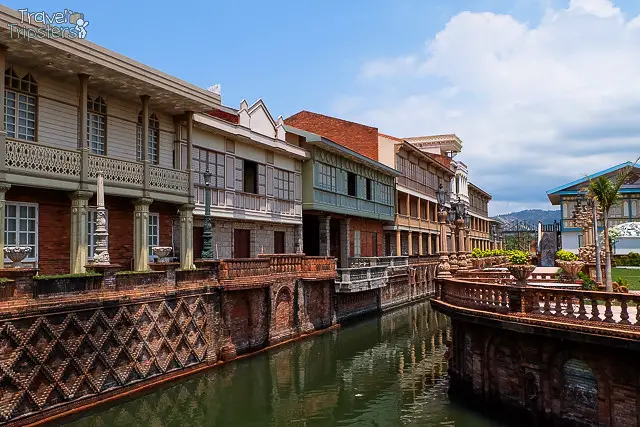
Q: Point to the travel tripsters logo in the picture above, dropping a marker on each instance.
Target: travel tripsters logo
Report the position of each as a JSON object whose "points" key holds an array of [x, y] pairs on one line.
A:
{"points": [[64, 24]]}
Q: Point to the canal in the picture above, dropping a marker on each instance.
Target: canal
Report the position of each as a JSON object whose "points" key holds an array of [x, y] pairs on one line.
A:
{"points": [[384, 371]]}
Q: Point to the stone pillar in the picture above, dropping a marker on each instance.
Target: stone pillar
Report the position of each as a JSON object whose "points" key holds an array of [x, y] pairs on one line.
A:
{"points": [[324, 235], [419, 211], [141, 234], [83, 143], [420, 248], [4, 187], [190, 155], [345, 242], [3, 145], [410, 243], [299, 246], [398, 243], [408, 205], [145, 143], [443, 266], [79, 225], [429, 244], [186, 237]]}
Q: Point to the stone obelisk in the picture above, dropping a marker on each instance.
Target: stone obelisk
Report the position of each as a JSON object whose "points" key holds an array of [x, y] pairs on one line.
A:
{"points": [[101, 252]]}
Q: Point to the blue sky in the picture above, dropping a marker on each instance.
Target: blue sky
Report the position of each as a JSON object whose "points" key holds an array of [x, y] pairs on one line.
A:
{"points": [[536, 115]]}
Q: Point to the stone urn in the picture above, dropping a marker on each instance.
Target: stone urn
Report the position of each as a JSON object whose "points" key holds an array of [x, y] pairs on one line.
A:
{"points": [[477, 263], [161, 252], [571, 268], [521, 272], [17, 254]]}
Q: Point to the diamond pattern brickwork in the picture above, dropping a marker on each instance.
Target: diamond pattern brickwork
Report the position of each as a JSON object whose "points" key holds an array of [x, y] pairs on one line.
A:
{"points": [[57, 358]]}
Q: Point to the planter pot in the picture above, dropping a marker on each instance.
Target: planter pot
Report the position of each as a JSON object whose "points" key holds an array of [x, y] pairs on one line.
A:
{"points": [[521, 273], [477, 263], [571, 268], [161, 252], [65, 285], [17, 254]]}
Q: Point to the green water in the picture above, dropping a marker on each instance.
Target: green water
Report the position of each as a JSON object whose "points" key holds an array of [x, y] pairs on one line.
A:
{"points": [[383, 371]]}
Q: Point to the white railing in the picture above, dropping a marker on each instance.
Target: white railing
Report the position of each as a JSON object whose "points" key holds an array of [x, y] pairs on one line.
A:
{"points": [[120, 171], [168, 179], [40, 159]]}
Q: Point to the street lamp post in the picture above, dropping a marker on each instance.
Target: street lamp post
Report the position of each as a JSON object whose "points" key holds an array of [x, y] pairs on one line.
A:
{"points": [[443, 265], [207, 251], [461, 212]]}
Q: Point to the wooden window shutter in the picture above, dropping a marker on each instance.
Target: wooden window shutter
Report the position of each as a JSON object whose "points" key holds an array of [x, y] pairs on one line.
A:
{"points": [[239, 175], [297, 187], [230, 172], [262, 180], [270, 179]]}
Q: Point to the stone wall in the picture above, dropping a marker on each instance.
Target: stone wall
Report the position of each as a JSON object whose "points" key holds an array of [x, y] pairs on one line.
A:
{"points": [[545, 379], [350, 305], [262, 237]]}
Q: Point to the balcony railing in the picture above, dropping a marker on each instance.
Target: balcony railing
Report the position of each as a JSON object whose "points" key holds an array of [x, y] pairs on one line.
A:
{"points": [[416, 186], [168, 179], [230, 199], [421, 223], [117, 171], [37, 159]]}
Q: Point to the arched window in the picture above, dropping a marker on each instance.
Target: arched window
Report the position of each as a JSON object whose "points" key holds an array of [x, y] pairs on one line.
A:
{"points": [[97, 125], [20, 96], [154, 138]]}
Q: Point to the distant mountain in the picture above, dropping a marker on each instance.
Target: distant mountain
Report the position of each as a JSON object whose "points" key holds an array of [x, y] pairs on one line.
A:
{"points": [[532, 216]]}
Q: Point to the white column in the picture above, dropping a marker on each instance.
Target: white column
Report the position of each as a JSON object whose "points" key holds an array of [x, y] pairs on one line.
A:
{"points": [[3, 146], [79, 249], [141, 234], [145, 141], [186, 237]]}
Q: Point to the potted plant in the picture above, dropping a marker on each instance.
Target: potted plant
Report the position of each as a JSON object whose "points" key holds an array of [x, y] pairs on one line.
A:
{"points": [[520, 267], [476, 258], [569, 263]]}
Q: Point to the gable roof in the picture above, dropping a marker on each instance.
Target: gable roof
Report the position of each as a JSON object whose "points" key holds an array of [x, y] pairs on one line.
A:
{"points": [[566, 189]]}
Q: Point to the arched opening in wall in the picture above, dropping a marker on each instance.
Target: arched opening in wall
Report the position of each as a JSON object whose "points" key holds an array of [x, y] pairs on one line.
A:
{"points": [[284, 310], [579, 394]]}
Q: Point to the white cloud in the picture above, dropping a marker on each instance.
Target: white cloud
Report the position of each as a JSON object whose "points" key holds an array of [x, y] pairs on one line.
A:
{"points": [[535, 106]]}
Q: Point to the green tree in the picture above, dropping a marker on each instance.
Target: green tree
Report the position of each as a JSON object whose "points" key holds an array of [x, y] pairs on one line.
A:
{"points": [[607, 193]]}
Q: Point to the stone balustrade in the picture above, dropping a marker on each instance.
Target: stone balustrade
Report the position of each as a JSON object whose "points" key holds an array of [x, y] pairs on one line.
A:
{"points": [[604, 309]]}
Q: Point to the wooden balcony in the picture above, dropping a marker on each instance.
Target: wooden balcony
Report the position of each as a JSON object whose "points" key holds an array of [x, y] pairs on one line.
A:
{"points": [[417, 223], [227, 201], [365, 273], [51, 167]]}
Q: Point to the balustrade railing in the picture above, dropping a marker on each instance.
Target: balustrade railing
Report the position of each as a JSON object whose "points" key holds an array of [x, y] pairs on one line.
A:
{"points": [[243, 267], [118, 171], [42, 160], [606, 309], [168, 179]]}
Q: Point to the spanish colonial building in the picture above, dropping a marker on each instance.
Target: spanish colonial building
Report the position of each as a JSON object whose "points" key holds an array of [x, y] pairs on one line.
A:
{"points": [[93, 111], [256, 187], [627, 210]]}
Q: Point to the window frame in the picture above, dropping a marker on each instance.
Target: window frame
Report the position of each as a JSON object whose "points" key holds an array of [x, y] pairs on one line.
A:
{"points": [[99, 112], [151, 235], [31, 92], [33, 256], [154, 130]]}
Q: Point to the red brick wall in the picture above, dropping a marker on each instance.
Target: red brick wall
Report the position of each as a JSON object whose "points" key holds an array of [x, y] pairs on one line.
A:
{"points": [[318, 303], [54, 224], [367, 227], [357, 303], [246, 317], [359, 138], [229, 117]]}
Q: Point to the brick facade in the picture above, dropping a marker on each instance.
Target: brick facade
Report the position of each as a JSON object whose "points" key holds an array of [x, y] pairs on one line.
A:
{"points": [[359, 138], [54, 219]]}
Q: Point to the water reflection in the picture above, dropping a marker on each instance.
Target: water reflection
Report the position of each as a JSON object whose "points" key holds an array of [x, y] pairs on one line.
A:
{"points": [[385, 371]]}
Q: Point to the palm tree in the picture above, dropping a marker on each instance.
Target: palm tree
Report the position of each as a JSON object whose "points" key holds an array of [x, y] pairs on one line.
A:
{"points": [[606, 193]]}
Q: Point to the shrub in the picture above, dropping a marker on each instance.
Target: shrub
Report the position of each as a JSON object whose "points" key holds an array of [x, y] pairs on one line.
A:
{"points": [[588, 284], [566, 255], [476, 253], [632, 260], [519, 258]]}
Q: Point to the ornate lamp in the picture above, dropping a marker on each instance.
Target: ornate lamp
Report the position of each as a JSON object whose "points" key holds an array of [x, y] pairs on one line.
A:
{"points": [[441, 195], [443, 266], [207, 252]]}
